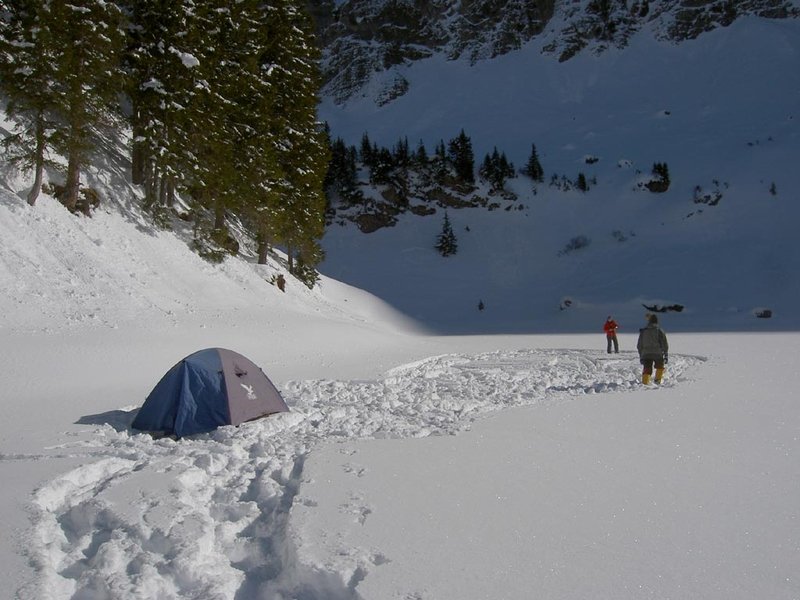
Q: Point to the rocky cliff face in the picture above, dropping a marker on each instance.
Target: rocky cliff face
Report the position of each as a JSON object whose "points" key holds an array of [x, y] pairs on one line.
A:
{"points": [[366, 43]]}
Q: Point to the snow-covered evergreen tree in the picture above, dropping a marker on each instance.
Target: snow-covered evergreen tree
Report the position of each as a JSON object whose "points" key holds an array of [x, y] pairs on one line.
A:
{"points": [[87, 79], [61, 73], [533, 168], [440, 162], [496, 169], [27, 54], [289, 62], [446, 242], [162, 86], [460, 153]]}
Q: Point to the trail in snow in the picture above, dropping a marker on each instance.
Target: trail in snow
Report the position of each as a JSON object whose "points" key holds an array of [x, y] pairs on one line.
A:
{"points": [[206, 517]]}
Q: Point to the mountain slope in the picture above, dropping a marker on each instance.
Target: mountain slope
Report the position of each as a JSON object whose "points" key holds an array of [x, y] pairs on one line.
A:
{"points": [[368, 43], [721, 110]]}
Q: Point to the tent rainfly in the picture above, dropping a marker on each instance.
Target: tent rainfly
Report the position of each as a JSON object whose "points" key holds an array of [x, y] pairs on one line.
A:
{"points": [[206, 390]]}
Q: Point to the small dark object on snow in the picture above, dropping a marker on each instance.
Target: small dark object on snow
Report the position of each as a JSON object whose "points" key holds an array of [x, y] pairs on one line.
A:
{"points": [[663, 309]]}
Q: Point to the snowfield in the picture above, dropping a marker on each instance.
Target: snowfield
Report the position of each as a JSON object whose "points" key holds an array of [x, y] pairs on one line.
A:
{"points": [[209, 517], [520, 463], [462, 475]]}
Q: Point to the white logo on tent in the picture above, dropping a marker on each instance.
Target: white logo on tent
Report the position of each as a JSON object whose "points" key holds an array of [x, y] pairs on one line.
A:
{"points": [[251, 394]]}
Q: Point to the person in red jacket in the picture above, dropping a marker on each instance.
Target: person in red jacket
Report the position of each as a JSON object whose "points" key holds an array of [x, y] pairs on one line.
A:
{"points": [[610, 327]]}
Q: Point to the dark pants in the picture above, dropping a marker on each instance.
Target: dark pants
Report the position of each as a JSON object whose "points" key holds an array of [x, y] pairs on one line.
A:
{"points": [[612, 339], [648, 365]]}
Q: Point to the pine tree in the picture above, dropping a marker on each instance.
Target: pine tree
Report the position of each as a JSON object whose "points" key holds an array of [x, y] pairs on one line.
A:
{"points": [[219, 118], [366, 150], [506, 167], [341, 177], [661, 170], [87, 79], [291, 63], [225, 98], [460, 152], [533, 167], [441, 165], [446, 242], [660, 182], [383, 164], [496, 169], [486, 169], [163, 84], [65, 80], [421, 156], [401, 154], [27, 52]]}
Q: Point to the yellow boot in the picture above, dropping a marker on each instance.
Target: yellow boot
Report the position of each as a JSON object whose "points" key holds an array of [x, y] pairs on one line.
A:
{"points": [[646, 378], [659, 375]]}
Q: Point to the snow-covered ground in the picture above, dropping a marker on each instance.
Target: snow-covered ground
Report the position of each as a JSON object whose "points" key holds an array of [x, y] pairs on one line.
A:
{"points": [[416, 466], [410, 466]]}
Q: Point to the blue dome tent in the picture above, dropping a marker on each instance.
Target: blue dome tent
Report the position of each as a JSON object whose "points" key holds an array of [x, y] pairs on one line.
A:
{"points": [[205, 390]]}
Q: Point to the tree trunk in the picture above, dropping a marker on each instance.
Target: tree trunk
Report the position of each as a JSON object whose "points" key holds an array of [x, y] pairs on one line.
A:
{"points": [[39, 167], [290, 257], [219, 215], [163, 191], [138, 160], [73, 185], [137, 164], [37, 185], [150, 181], [263, 247], [171, 192]]}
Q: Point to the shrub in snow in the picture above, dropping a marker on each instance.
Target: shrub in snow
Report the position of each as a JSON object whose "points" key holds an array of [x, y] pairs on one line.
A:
{"points": [[710, 197], [621, 237], [657, 308], [576, 243], [562, 183], [659, 181]]}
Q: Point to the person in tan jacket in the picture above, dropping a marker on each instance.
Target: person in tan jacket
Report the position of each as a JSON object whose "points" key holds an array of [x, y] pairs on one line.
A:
{"points": [[653, 349]]}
